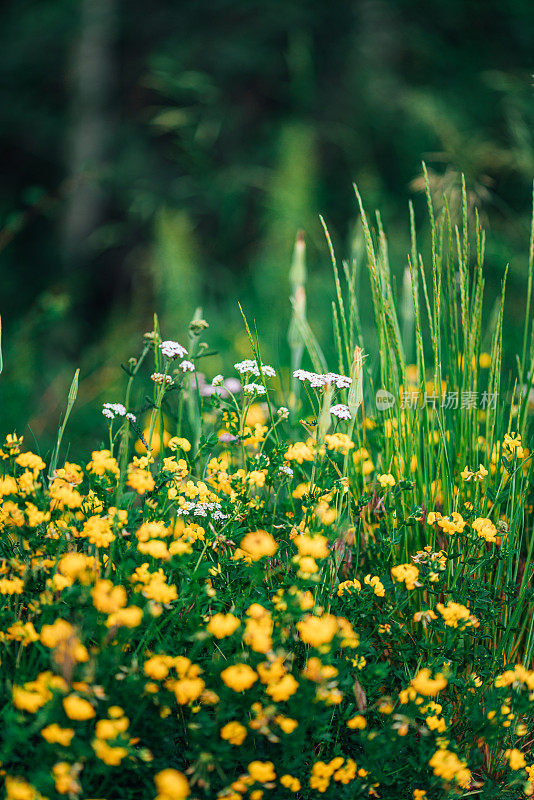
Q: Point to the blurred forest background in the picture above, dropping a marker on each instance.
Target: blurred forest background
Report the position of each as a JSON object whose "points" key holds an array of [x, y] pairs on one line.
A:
{"points": [[162, 156]]}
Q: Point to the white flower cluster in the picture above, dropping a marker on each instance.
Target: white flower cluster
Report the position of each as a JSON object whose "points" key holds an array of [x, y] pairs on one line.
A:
{"points": [[187, 366], [254, 388], [218, 380], [286, 470], [112, 410], [172, 349], [340, 411], [159, 377], [283, 412], [250, 367], [201, 510], [317, 381]]}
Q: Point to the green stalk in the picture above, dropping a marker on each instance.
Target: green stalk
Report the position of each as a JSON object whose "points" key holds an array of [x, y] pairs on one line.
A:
{"points": [[73, 392]]}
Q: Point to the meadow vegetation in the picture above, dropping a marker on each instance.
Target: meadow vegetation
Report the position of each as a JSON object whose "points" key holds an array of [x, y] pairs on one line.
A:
{"points": [[286, 583]]}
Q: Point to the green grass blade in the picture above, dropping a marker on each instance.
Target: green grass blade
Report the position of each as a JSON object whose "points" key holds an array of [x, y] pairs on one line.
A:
{"points": [[71, 399]]}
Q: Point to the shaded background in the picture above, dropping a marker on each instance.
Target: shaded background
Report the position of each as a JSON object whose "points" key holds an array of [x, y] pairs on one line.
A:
{"points": [[160, 156]]}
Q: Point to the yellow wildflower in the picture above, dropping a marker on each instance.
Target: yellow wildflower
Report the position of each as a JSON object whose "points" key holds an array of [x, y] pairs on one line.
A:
{"points": [[239, 677], [221, 625], [234, 732], [171, 785]]}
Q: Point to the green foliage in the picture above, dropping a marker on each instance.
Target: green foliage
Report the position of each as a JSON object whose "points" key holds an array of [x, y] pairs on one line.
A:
{"points": [[168, 159]]}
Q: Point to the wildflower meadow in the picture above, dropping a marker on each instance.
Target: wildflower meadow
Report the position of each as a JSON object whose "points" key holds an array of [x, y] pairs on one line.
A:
{"points": [[297, 580]]}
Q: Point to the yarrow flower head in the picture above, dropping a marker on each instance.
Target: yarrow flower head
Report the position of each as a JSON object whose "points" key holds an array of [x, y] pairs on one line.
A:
{"points": [[340, 381], [286, 470], [267, 370], [314, 379], [159, 377], [245, 367], [201, 510], [254, 388], [187, 366], [283, 412], [318, 381], [217, 381], [172, 349], [250, 367], [340, 411], [112, 410]]}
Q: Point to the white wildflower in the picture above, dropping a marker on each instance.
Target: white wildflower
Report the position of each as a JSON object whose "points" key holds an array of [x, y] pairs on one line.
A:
{"points": [[245, 367], [267, 370], [201, 510], [254, 388], [187, 366], [250, 367], [317, 380], [172, 349], [341, 411], [112, 410], [340, 381]]}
